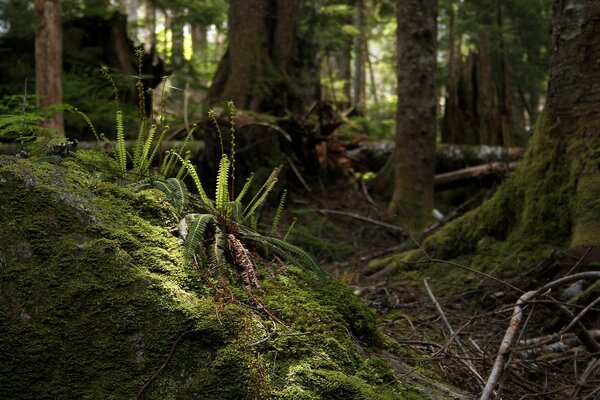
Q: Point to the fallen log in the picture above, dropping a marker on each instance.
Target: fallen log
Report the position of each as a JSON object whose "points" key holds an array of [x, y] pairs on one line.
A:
{"points": [[459, 177]]}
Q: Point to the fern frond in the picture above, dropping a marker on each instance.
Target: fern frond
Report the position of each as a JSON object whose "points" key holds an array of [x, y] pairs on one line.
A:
{"points": [[144, 161], [88, 121], [139, 143], [216, 250], [183, 171], [194, 240], [257, 196], [121, 154], [141, 184], [156, 147], [261, 199], [191, 170], [289, 229], [222, 192], [278, 213], [245, 188], [287, 250], [176, 191], [232, 110], [213, 117]]}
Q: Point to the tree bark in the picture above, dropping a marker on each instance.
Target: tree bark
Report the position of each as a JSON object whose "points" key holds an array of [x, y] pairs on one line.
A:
{"points": [[412, 199], [573, 106], [255, 71], [360, 85], [552, 200], [48, 60]]}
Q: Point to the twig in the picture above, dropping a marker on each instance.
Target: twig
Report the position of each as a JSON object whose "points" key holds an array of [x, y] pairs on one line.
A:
{"points": [[169, 356], [365, 191], [456, 339], [298, 174], [362, 218], [515, 323]]}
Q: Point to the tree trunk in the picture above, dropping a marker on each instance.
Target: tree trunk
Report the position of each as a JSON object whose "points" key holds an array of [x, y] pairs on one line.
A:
{"points": [[48, 60], [360, 58], [149, 27], [255, 70], [474, 107], [552, 200], [412, 199], [505, 90], [177, 39], [199, 40], [573, 106]]}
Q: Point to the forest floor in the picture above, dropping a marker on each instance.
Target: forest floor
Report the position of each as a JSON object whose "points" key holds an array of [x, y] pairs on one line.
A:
{"points": [[352, 233]]}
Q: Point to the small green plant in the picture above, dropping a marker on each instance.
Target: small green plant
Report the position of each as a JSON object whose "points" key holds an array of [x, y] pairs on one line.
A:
{"points": [[226, 229], [138, 164]]}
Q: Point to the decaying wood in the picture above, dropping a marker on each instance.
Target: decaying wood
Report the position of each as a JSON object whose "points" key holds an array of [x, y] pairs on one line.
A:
{"points": [[515, 324], [472, 173]]}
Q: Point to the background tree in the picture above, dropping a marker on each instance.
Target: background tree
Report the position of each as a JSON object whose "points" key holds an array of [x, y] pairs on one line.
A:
{"points": [[48, 60], [553, 199], [412, 199], [255, 71]]}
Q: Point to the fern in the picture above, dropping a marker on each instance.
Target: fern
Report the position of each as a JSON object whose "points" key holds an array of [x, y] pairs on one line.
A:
{"points": [[222, 193], [255, 200], [245, 188], [285, 250], [289, 229], [121, 153], [176, 191], [253, 206], [278, 213], [196, 232], [216, 250], [143, 160], [231, 107], [139, 143]]}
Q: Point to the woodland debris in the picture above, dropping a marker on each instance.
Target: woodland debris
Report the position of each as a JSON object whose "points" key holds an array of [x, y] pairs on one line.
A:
{"points": [[515, 324], [456, 178]]}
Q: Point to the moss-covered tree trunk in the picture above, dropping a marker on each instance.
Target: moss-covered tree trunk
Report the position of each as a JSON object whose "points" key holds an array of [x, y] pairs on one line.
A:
{"points": [[255, 70], [412, 199], [573, 107], [553, 199]]}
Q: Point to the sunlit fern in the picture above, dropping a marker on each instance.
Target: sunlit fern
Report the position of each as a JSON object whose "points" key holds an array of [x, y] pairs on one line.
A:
{"points": [[226, 229]]}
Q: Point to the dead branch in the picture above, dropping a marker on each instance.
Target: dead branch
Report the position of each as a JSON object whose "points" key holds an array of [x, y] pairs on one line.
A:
{"points": [[515, 322], [477, 172], [451, 331], [362, 218]]}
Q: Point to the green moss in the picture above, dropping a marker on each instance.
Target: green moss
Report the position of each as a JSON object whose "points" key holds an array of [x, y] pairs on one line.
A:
{"points": [[528, 217], [94, 296]]}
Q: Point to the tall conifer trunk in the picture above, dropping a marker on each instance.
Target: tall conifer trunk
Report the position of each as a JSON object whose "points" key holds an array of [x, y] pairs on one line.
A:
{"points": [[412, 199], [48, 60]]}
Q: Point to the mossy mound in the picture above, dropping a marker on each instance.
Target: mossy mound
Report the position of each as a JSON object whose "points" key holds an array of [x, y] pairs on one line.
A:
{"points": [[97, 303]]}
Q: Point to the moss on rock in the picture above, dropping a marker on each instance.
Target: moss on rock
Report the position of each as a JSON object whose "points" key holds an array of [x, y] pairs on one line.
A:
{"points": [[95, 299]]}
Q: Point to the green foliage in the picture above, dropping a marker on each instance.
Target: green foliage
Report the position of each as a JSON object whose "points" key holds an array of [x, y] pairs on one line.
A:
{"points": [[226, 227]]}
